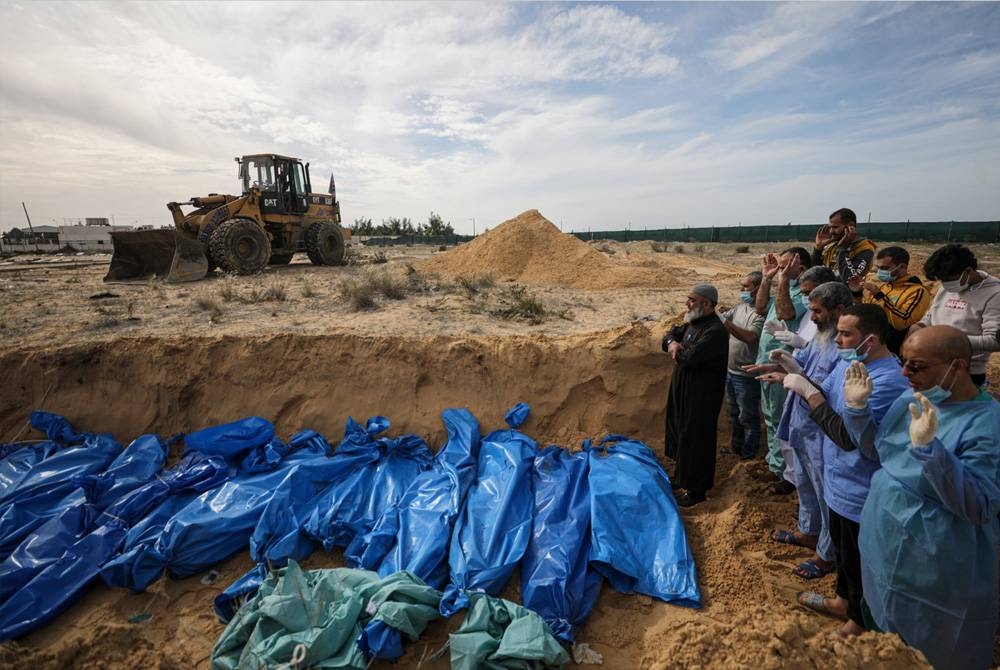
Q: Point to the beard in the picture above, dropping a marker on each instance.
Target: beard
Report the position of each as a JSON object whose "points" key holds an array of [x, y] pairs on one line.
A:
{"points": [[825, 333], [693, 314]]}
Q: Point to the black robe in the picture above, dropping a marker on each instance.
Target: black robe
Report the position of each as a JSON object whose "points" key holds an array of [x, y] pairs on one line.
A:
{"points": [[696, 391]]}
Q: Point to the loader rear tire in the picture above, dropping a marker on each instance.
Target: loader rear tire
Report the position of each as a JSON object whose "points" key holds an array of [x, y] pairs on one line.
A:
{"points": [[240, 246], [325, 243]]}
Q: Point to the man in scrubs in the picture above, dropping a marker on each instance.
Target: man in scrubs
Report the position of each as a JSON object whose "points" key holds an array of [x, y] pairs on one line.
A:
{"points": [[928, 535]]}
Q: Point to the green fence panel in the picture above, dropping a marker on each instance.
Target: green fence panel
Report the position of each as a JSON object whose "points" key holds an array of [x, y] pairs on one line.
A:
{"points": [[982, 232]]}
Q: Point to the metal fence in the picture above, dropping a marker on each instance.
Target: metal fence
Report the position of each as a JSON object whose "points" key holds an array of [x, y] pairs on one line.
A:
{"points": [[892, 231]]}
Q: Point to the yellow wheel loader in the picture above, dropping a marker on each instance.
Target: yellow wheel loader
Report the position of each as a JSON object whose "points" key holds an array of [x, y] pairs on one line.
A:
{"points": [[276, 216]]}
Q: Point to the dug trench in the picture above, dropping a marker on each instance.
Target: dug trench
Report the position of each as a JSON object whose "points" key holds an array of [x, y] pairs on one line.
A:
{"points": [[578, 386]]}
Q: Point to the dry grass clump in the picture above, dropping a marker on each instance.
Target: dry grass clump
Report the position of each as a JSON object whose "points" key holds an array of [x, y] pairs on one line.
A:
{"points": [[207, 303], [361, 291], [308, 291], [743, 249], [659, 247], [273, 291], [516, 303], [474, 284], [606, 248]]}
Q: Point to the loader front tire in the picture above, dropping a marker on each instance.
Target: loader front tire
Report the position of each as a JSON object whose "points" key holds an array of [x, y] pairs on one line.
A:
{"points": [[205, 236], [325, 243], [240, 246]]}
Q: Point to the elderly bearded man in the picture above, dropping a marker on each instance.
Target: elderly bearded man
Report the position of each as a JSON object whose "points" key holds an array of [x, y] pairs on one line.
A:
{"points": [[700, 349]]}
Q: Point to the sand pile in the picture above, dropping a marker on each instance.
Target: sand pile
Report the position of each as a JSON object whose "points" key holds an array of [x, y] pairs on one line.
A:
{"points": [[762, 639], [531, 249]]}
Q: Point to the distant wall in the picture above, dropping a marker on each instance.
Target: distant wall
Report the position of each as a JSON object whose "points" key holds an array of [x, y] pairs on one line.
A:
{"points": [[896, 231]]}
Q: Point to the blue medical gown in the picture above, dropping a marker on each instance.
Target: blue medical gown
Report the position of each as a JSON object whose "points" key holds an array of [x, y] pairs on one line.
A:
{"points": [[929, 533]]}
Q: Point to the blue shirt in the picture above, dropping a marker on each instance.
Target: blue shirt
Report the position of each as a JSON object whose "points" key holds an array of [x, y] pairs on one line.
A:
{"points": [[818, 359], [847, 474]]}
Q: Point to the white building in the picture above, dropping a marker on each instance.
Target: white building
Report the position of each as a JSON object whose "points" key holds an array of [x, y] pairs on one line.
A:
{"points": [[89, 237]]}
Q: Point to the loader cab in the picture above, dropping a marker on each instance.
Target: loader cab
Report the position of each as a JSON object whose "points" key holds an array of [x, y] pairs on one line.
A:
{"points": [[283, 182]]}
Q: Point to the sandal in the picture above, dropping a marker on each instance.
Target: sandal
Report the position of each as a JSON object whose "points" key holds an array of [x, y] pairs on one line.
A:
{"points": [[810, 569], [817, 603], [782, 536]]}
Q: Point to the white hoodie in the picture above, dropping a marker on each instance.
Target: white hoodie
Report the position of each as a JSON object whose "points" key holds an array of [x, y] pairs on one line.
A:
{"points": [[974, 310]]}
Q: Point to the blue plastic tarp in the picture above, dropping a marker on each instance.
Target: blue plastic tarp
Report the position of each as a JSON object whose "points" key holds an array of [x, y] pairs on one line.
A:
{"points": [[347, 510], [97, 538], [414, 534], [637, 536], [278, 536], [208, 529], [557, 581], [45, 487], [139, 463], [492, 532], [231, 440]]}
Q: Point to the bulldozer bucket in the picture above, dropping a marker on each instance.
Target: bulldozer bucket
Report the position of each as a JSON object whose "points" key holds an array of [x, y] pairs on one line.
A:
{"points": [[161, 253]]}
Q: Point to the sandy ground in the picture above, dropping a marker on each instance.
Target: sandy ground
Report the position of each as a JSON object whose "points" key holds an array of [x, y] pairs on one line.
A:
{"points": [[290, 345]]}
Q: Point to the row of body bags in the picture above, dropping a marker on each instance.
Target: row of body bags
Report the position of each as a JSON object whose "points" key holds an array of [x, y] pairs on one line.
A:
{"points": [[76, 507]]}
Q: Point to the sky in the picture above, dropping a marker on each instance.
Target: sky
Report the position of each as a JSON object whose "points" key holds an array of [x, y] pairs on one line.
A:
{"points": [[601, 116]]}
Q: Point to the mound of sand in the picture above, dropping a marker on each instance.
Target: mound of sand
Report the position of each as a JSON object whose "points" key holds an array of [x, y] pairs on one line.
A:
{"points": [[530, 249]]}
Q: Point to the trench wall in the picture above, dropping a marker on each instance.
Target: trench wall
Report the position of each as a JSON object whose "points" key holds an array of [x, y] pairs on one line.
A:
{"points": [[578, 386]]}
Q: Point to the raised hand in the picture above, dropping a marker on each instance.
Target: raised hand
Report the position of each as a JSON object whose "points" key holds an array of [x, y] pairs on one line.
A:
{"points": [[773, 326], [857, 386], [787, 361], [769, 266], [923, 421], [800, 385], [823, 236], [794, 340]]}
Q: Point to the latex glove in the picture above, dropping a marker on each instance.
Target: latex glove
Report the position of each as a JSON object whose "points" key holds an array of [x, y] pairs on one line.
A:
{"points": [[787, 361], [800, 385], [857, 386], [793, 340], [923, 421], [774, 326]]}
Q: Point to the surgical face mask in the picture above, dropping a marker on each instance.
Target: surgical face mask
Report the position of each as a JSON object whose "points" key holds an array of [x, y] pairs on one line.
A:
{"points": [[885, 275], [746, 296], [805, 301], [938, 394], [850, 355], [955, 285]]}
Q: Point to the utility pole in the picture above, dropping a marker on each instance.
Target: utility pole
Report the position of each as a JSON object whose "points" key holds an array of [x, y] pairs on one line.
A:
{"points": [[30, 229], [473, 219]]}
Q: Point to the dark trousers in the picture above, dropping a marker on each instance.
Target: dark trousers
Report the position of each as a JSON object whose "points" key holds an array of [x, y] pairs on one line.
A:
{"points": [[844, 534], [743, 396]]}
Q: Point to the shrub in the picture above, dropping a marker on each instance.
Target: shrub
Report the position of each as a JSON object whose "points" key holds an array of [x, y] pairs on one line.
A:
{"points": [[660, 247], [209, 304], [517, 303], [743, 249]]}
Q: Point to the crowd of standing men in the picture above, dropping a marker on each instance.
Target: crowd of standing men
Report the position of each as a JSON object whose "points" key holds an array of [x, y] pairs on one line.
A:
{"points": [[875, 410]]}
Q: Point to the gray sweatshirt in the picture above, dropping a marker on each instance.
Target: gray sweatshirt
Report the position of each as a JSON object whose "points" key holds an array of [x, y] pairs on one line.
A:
{"points": [[975, 311]]}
